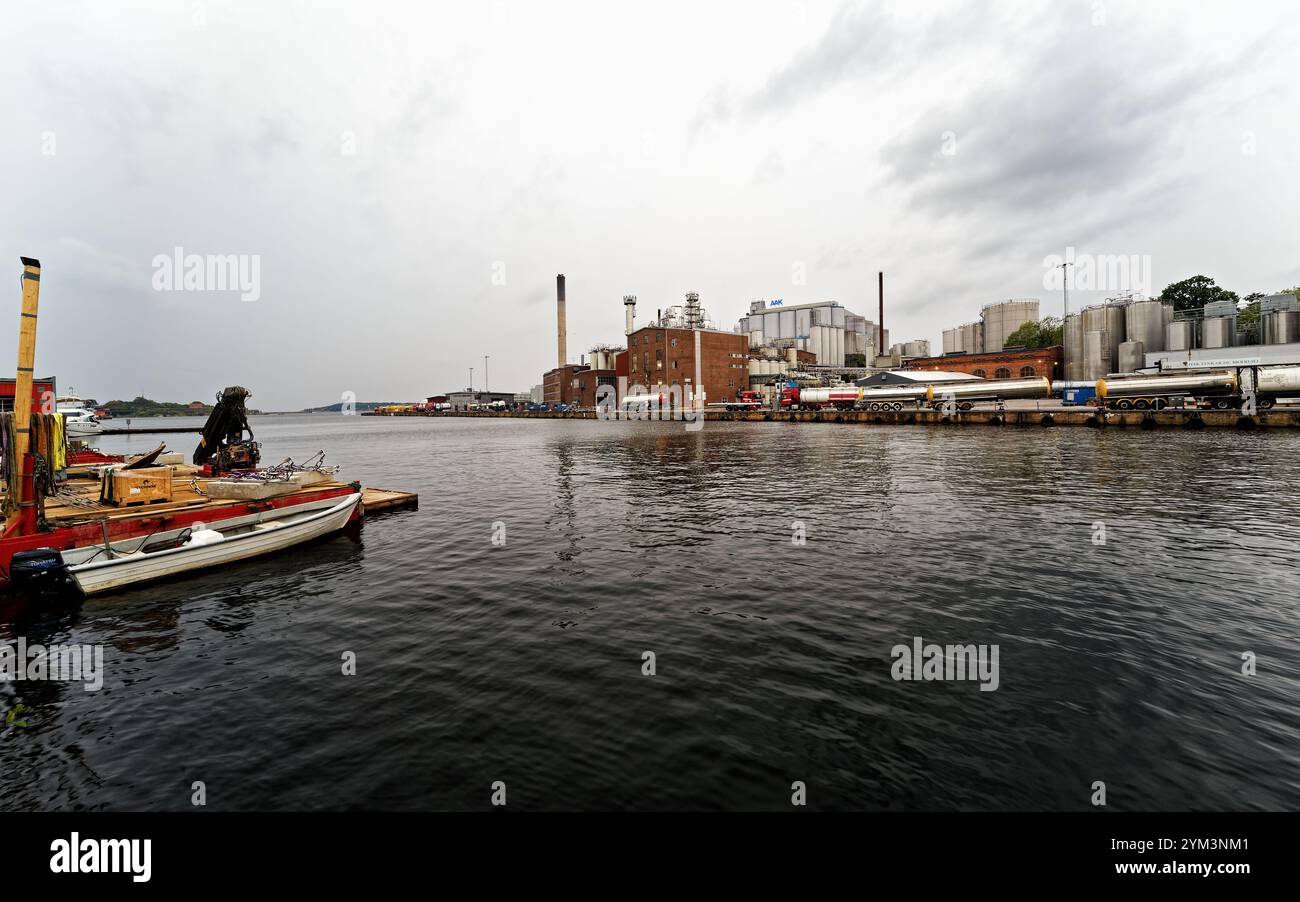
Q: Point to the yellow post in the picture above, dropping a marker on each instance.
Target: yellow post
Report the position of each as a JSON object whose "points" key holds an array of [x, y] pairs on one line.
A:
{"points": [[23, 385]]}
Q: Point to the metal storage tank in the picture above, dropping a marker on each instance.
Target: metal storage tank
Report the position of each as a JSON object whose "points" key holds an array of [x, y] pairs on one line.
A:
{"points": [[1179, 335], [951, 341], [756, 338], [1132, 356], [754, 369], [1096, 355], [821, 316], [1280, 328], [1108, 319], [791, 357], [1005, 317], [815, 344], [837, 317], [1073, 339], [788, 324], [1218, 332], [1144, 321], [972, 338], [839, 347]]}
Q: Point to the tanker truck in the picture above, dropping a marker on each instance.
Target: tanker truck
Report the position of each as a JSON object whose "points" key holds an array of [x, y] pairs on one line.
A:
{"points": [[1216, 389], [966, 395]]}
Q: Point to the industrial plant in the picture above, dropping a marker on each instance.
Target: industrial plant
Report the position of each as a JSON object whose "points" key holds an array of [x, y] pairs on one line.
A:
{"points": [[1121, 354]]}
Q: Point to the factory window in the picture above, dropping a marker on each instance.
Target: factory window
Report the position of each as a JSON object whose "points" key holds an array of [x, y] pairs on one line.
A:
{"points": [[645, 361], [659, 360], [1026, 372], [979, 373], [1002, 373], [674, 364], [674, 342]]}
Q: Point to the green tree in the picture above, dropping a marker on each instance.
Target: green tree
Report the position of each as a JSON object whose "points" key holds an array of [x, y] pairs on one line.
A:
{"points": [[1042, 334], [1194, 293]]}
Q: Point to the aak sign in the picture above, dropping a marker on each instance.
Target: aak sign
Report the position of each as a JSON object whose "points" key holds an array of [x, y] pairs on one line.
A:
{"points": [[774, 303]]}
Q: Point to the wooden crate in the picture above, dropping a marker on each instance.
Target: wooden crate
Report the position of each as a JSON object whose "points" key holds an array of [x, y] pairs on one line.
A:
{"points": [[146, 486]]}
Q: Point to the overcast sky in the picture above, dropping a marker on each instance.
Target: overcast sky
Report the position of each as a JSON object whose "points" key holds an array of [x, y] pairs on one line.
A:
{"points": [[412, 176]]}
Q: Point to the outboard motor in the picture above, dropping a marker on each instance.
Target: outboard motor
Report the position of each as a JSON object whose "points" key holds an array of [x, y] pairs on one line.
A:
{"points": [[39, 571]]}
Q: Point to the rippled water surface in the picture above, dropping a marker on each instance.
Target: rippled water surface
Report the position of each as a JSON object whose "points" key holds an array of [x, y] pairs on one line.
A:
{"points": [[522, 662]]}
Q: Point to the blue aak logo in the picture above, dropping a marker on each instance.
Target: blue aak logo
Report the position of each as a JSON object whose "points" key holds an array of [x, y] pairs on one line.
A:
{"points": [[776, 303]]}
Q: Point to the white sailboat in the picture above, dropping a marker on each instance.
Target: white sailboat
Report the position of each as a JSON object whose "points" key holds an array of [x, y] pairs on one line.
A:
{"points": [[210, 548]]}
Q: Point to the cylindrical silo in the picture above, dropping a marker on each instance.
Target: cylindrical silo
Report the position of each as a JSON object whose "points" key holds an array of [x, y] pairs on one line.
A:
{"points": [[1280, 327], [837, 317], [1144, 321], [756, 338], [791, 357], [1073, 340], [1218, 331], [802, 322], [1107, 319], [755, 369], [1131, 356], [839, 346], [1180, 335], [1000, 320], [1096, 355]]}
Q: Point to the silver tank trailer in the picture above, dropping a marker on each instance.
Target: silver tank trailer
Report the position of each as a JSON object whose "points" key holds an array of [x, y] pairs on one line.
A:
{"points": [[1278, 379], [997, 389], [1218, 332], [892, 393], [1212, 383]]}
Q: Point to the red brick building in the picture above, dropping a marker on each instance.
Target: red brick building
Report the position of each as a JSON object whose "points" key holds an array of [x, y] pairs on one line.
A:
{"points": [[559, 385], [661, 358], [589, 381], [1012, 364]]}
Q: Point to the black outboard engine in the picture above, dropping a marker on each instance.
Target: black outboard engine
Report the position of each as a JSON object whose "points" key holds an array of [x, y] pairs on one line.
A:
{"points": [[39, 571]]}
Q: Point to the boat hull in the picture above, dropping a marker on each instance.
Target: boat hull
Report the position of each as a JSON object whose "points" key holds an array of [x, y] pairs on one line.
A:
{"points": [[267, 537]]}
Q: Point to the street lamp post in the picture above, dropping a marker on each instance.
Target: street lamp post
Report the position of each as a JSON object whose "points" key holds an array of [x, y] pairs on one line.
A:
{"points": [[1065, 315]]}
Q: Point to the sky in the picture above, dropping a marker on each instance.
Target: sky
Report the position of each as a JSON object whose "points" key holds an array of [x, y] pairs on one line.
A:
{"points": [[406, 179]]}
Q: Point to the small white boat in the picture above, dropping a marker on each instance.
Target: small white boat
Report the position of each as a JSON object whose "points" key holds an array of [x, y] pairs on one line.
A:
{"points": [[78, 418], [210, 548]]}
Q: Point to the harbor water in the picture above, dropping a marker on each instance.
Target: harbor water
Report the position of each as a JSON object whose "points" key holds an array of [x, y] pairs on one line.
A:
{"points": [[500, 632]]}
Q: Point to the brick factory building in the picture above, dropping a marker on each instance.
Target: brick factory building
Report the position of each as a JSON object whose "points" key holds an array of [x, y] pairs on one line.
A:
{"points": [[587, 382], [1012, 363], [659, 357], [558, 384]]}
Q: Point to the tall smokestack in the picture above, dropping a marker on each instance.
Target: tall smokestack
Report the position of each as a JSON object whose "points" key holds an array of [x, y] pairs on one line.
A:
{"points": [[629, 310], [560, 323], [880, 345]]}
